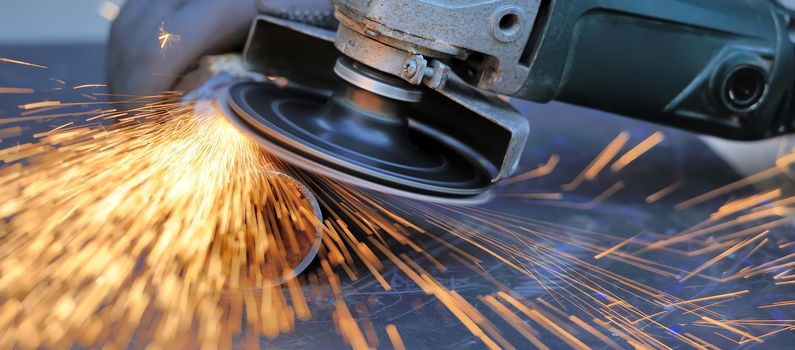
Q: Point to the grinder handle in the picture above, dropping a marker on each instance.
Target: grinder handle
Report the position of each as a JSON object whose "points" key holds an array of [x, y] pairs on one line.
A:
{"points": [[725, 68]]}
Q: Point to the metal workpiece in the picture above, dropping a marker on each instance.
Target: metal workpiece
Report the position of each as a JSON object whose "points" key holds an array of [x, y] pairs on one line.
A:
{"points": [[485, 41]]}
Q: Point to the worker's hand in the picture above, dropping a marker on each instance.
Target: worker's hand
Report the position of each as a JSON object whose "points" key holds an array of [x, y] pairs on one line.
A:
{"points": [[141, 62]]}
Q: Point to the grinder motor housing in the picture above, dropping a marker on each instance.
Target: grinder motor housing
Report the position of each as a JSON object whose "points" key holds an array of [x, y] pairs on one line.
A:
{"points": [[724, 68]]}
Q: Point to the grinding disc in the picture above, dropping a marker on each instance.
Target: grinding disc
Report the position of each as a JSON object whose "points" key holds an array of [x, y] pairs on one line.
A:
{"points": [[361, 146]]}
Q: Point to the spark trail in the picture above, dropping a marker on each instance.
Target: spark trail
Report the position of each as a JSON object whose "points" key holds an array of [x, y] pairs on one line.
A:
{"points": [[150, 219], [170, 229]]}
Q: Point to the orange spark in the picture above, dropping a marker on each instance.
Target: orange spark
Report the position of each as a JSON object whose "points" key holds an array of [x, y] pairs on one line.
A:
{"points": [[8, 60], [723, 255], [600, 162], [753, 179], [541, 171], [85, 86], [165, 38], [39, 104], [743, 204], [12, 90], [713, 297], [732, 329], [614, 248], [394, 337], [639, 150]]}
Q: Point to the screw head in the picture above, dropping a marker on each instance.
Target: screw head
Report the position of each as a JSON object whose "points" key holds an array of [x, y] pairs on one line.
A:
{"points": [[410, 69]]}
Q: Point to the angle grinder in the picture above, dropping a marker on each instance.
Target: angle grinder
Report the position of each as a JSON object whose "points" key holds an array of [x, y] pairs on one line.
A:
{"points": [[405, 96], [330, 114]]}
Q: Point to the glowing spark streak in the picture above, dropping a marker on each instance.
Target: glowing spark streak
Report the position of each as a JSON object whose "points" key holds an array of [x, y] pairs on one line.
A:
{"points": [[433, 287], [785, 162], [717, 228], [759, 177], [40, 104], [703, 343], [614, 248], [639, 150], [779, 304], [541, 171], [10, 132], [39, 110], [732, 329], [166, 38], [758, 246], [769, 266], [54, 130], [477, 317], [713, 297], [451, 303], [743, 204], [649, 317], [539, 318], [706, 307], [607, 155], [552, 307], [348, 326], [88, 86], [723, 255], [590, 329], [786, 245], [599, 163], [557, 330], [520, 326], [8, 60], [783, 275], [611, 191], [775, 211], [606, 194], [153, 190], [365, 255], [665, 192], [394, 337], [785, 329], [47, 116], [11, 90], [380, 226]]}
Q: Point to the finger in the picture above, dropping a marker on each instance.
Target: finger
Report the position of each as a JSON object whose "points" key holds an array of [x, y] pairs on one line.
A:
{"points": [[136, 19], [158, 69], [135, 48]]}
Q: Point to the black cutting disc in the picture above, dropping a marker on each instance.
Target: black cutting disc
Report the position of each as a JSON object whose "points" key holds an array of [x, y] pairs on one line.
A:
{"points": [[330, 134]]}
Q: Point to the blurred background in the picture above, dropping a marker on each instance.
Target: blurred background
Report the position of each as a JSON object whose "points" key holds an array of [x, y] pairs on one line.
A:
{"points": [[32, 22], [68, 37]]}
